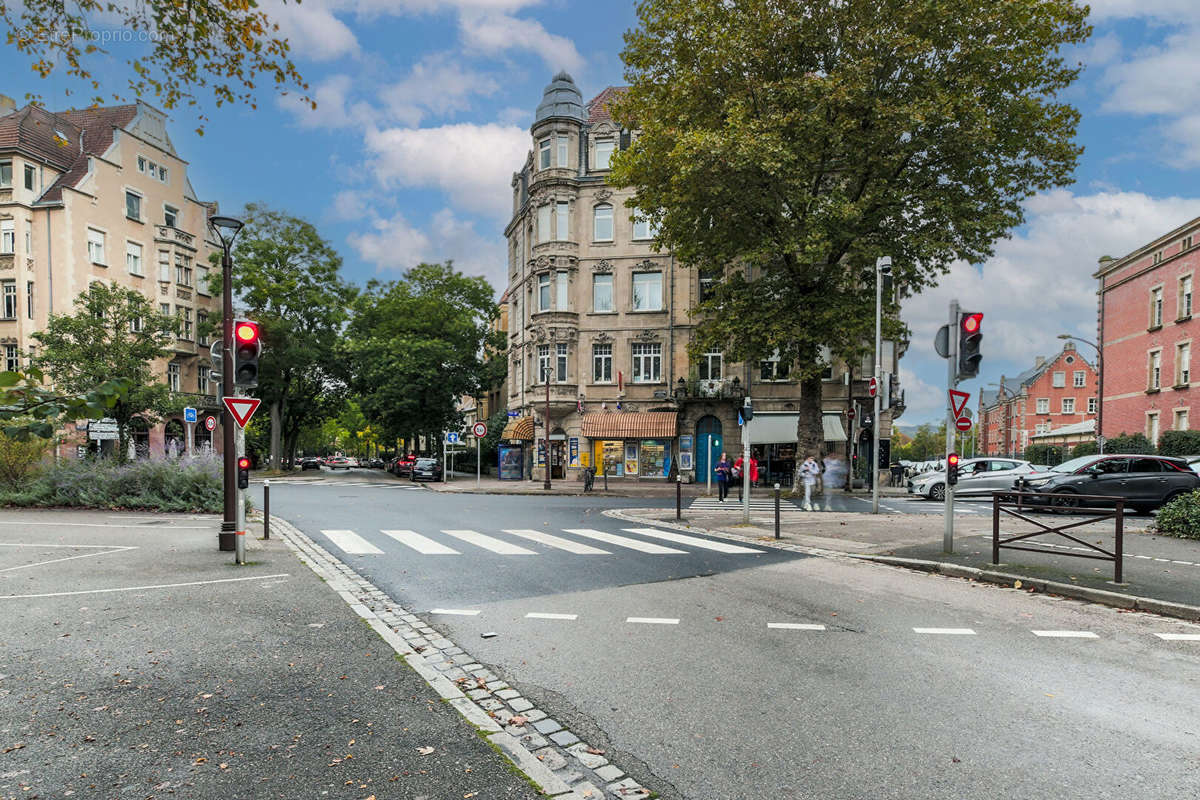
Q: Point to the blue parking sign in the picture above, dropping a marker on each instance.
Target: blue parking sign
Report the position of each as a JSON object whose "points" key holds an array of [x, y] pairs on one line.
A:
{"points": [[189, 415]]}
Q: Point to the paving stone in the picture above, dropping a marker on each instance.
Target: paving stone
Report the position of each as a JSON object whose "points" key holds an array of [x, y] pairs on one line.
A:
{"points": [[533, 741], [516, 730], [454, 651], [571, 776], [496, 707], [589, 760], [472, 667], [495, 686], [609, 772], [507, 694], [454, 673], [563, 738], [478, 694], [547, 726], [587, 791], [551, 758], [520, 704], [628, 788], [533, 714], [442, 644], [462, 659]]}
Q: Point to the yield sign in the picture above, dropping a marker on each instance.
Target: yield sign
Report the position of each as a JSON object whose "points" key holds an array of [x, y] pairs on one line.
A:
{"points": [[241, 409], [958, 401]]}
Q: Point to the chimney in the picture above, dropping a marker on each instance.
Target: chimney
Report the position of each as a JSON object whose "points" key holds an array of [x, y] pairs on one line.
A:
{"points": [[7, 105], [1038, 361]]}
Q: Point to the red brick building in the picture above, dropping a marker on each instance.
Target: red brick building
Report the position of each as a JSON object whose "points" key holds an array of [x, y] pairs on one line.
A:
{"points": [[1054, 393], [1146, 329]]}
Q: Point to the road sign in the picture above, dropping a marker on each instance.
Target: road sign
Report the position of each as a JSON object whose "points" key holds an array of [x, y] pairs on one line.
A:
{"points": [[872, 387], [963, 423], [941, 342], [451, 437], [189, 414], [850, 413], [241, 408], [101, 430], [514, 413], [210, 423], [958, 401], [479, 429]]}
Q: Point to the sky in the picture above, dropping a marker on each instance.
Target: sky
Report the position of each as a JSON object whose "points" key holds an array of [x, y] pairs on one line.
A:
{"points": [[423, 114]]}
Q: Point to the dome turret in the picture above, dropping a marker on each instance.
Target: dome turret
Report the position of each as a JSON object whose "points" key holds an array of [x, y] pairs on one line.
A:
{"points": [[561, 98]]}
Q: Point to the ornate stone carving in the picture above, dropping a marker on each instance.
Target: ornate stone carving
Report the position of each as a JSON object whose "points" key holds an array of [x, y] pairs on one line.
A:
{"points": [[603, 195], [648, 335], [603, 265], [646, 265], [539, 333], [541, 262], [603, 337]]}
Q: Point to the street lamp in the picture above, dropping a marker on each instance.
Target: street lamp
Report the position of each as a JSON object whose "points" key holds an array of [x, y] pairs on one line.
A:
{"points": [[883, 272], [1099, 387], [227, 229]]}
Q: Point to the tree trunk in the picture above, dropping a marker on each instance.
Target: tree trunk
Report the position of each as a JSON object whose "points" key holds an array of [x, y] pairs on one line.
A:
{"points": [[275, 433], [810, 430]]}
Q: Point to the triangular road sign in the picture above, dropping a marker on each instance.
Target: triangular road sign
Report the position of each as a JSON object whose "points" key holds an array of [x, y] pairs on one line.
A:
{"points": [[958, 401], [241, 408]]}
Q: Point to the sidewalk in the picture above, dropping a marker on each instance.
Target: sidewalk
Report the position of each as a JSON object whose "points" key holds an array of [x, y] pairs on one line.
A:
{"points": [[137, 661], [617, 487], [1157, 568]]}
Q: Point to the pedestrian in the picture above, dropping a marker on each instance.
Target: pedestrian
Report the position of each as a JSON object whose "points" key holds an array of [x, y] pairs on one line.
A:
{"points": [[809, 471], [835, 476], [724, 472], [739, 470]]}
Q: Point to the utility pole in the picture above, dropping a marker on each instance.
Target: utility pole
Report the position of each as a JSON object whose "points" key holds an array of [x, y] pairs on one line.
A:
{"points": [[883, 266], [951, 420], [546, 484]]}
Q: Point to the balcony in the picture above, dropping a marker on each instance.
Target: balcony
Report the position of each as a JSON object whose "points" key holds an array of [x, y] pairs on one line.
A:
{"points": [[174, 235], [564, 397], [719, 389], [7, 261], [181, 400]]}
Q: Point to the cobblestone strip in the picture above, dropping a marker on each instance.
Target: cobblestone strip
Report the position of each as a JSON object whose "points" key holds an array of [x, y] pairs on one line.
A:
{"points": [[552, 757]]}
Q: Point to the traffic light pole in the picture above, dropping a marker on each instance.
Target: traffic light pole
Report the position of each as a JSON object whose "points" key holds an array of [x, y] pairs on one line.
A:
{"points": [[878, 383], [951, 422], [240, 497], [228, 535]]}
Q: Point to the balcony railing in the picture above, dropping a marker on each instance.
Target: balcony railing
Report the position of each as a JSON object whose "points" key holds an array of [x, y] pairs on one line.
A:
{"points": [[710, 389]]}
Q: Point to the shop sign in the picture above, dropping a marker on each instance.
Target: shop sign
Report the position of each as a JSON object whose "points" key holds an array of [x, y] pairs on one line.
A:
{"points": [[573, 451]]}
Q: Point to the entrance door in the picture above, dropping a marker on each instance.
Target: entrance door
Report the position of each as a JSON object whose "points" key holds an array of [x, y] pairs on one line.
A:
{"points": [[558, 458], [707, 453]]}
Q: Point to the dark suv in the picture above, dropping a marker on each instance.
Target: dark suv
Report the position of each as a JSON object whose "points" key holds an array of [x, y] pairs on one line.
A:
{"points": [[1145, 482]]}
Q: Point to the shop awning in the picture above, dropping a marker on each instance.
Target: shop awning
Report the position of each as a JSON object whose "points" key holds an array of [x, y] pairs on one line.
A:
{"points": [[630, 425], [519, 428], [768, 428], [832, 423]]}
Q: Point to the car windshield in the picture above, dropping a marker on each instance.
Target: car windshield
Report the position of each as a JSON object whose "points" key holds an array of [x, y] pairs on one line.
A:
{"points": [[426, 462], [1074, 464]]}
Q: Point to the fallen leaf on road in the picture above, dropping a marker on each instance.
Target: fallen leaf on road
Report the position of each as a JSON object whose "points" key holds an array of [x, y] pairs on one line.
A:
{"points": [[1016, 584], [377, 688], [719, 619], [424, 750], [955, 759], [595, 751], [223, 765], [517, 720]]}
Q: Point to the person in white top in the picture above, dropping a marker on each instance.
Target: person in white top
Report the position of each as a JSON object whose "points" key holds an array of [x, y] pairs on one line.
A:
{"points": [[835, 476], [809, 471]]}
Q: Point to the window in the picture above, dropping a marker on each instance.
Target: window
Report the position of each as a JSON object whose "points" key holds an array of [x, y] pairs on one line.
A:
{"points": [[164, 309], [710, 366], [29, 299], [1068, 405], [643, 228], [708, 285], [185, 317], [133, 206], [543, 363], [562, 230], [29, 239], [202, 328], [12, 358], [602, 292], [170, 216], [1059, 380], [30, 177], [1156, 370], [602, 223], [8, 236], [5, 174], [647, 363], [543, 223], [137, 325], [202, 377], [1080, 379], [560, 286], [562, 150], [173, 377], [1042, 427], [604, 151], [1156, 308], [1185, 296], [95, 245], [602, 363], [544, 154], [1186, 244], [133, 258], [560, 350], [164, 266], [1152, 427], [773, 369], [162, 173], [9, 291], [141, 164], [1181, 419], [1091, 405], [647, 291], [202, 280], [544, 292], [183, 270], [1183, 364]]}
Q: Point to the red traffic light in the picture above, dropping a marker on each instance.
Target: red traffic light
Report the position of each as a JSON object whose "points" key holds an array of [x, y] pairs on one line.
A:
{"points": [[952, 459], [246, 332], [243, 463], [971, 323]]}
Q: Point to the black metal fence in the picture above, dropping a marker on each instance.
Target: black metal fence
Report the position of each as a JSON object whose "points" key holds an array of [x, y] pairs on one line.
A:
{"points": [[1016, 504]]}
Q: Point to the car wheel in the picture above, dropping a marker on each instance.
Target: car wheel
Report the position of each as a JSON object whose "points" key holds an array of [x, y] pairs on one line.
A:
{"points": [[1064, 501], [938, 492]]}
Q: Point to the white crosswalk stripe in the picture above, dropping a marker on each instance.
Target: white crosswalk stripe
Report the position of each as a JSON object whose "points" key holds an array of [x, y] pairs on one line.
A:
{"points": [[625, 541], [422, 544], [732, 503], [557, 542], [704, 544], [351, 542], [489, 543]]}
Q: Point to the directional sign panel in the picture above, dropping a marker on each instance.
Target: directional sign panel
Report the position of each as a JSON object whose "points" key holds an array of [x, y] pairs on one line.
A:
{"points": [[241, 408], [452, 437]]}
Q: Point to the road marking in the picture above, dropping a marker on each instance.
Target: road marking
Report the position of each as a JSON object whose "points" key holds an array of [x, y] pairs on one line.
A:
{"points": [[352, 543], [141, 588], [946, 631], [624, 541], [489, 543], [679, 538], [557, 542], [1067, 634], [113, 549], [133, 527], [459, 612], [1179, 637], [795, 626], [71, 546], [543, 615], [422, 544], [653, 620]]}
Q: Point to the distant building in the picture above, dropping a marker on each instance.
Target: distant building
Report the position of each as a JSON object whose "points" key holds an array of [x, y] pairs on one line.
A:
{"points": [[1055, 393], [101, 195]]}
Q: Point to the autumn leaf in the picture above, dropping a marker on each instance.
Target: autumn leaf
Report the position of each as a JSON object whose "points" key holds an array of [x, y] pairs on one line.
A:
{"points": [[425, 750]]}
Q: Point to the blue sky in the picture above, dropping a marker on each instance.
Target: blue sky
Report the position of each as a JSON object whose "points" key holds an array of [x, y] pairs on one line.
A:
{"points": [[424, 108]]}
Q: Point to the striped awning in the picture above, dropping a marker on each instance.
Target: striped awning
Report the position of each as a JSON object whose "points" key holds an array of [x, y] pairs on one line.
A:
{"points": [[630, 425], [519, 428]]}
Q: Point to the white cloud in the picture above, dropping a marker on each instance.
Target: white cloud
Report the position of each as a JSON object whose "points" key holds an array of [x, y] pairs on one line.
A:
{"points": [[334, 108], [312, 30], [392, 244], [438, 85], [395, 244], [1164, 10], [493, 33], [1150, 83], [472, 164]]}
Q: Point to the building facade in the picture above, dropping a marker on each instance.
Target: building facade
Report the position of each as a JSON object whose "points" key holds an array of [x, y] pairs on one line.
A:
{"points": [[600, 322], [1146, 330], [101, 195], [1055, 393]]}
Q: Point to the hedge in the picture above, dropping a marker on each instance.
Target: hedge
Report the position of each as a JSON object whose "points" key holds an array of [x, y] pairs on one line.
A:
{"points": [[1129, 443], [1179, 443], [1180, 517]]}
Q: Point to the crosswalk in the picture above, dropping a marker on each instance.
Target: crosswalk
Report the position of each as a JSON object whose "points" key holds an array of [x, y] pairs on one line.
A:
{"points": [[458, 541], [732, 503]]}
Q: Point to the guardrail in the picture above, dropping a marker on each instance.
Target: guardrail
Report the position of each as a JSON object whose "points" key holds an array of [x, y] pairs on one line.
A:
{"points": [[1014, 504]]}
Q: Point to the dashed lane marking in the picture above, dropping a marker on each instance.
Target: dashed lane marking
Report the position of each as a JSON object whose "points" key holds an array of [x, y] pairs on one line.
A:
{"points": [[497, 546], [544, 615], [705, 544], [795, 626], [352, 543], [422, 544], [557, 542], [624, 541], [1179, 637], [106, 550], [1066, 634], [653, 620], [946, 631], [457, 612]]}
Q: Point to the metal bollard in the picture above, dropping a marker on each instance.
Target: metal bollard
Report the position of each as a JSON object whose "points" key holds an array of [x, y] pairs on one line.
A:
{"points": [[606, 477], [777, 511], [267, 509], [678, 497]]}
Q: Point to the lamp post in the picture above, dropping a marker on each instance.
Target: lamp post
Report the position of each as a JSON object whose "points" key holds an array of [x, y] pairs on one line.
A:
{"points": [[227, 229], [1099, 387], [546, 484], [883, 271]]}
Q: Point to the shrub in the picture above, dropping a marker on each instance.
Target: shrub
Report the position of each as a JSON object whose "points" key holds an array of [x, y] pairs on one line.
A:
{"points": [[1049, 454], [186, 484], [20, 460], [1129, 443], [1180, 517], [1085, 449], [1179, 443]]}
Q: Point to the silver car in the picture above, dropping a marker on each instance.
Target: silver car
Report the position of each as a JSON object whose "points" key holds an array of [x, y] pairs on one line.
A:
{"points": [[976, 476]]}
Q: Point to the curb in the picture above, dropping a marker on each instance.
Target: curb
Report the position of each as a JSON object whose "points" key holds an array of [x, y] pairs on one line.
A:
{"points": [[550, 756]]}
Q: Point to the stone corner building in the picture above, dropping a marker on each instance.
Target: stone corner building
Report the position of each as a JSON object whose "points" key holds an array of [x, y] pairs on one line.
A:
{"points": [[101, 195], [599, 325]]}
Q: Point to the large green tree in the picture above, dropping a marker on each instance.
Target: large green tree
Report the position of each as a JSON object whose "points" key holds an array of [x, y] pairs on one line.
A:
{"points": [[115, 333], [417, 345], [785, 145], [288, 279]]}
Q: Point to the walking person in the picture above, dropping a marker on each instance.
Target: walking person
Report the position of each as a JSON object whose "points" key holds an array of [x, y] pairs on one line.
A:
{"points": [[810, 470], [724, 471], [835, 476], [738, 468]]}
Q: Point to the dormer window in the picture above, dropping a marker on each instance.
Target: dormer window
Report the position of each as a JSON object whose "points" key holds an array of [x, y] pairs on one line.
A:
{"points": [[604, 151]]}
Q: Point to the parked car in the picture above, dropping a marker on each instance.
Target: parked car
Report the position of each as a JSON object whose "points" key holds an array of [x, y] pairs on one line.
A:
{"points": [[402, 465], [311, 462], [427, 469], [976, 476], [375, 463], [339, 462], [1146, 482]]}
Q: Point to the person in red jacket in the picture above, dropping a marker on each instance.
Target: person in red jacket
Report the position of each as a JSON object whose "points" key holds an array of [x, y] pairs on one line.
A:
{"points": [[737, 468]]}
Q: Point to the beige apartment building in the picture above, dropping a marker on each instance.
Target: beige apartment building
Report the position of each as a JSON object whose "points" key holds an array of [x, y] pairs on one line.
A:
{"points": [[599, 326], [102, 195]]}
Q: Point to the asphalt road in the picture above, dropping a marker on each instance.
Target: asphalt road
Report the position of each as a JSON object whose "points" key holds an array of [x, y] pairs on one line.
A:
{"points": [[894, 685]]}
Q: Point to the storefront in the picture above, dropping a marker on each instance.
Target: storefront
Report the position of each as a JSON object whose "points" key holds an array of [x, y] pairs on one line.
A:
{"points": [[631, 444], [515, 449], [773, 443]]}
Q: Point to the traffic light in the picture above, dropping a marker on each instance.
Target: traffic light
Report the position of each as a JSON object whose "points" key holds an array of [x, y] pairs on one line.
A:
{"points": [[747, 410], [243, 468], [970, 336], [246, 349], [952, 469]]}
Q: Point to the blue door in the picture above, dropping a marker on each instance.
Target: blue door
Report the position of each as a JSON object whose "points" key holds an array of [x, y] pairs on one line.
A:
{"points": [[707, 455]]}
